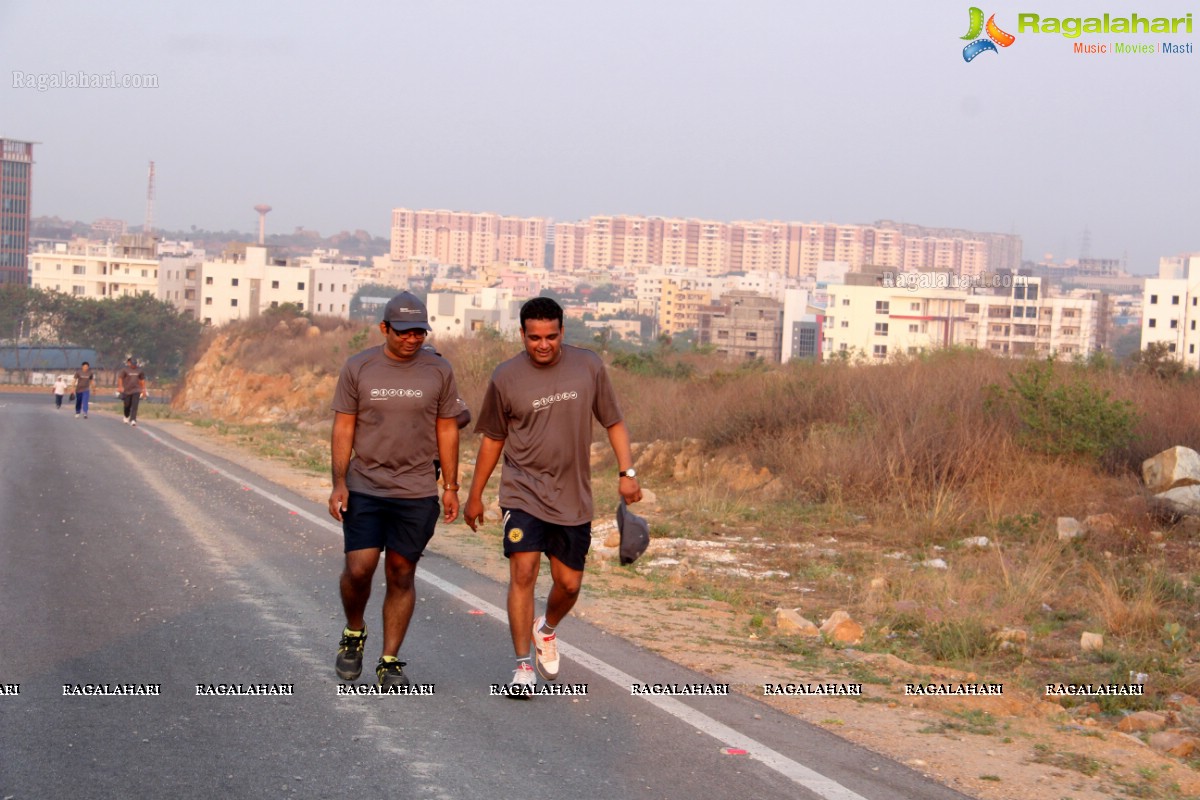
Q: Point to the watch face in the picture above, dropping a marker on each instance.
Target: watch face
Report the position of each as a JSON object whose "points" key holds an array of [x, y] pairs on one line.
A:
{"points": [[630, 473]]}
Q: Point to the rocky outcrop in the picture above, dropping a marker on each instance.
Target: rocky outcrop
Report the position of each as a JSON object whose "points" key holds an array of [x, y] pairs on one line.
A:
{"points": [[220, 387], [689, 460]]}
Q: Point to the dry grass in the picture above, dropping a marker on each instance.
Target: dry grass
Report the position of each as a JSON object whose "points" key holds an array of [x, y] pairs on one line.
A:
{"points": [[1127, 608]]}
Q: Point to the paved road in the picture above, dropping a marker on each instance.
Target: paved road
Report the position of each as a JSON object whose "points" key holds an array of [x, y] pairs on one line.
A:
{"points": [[128, 558]]}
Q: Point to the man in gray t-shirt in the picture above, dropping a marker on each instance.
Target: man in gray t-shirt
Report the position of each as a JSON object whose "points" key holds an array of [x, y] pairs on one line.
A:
{"points": [[538, 412], [131, 388], [395, 414]]}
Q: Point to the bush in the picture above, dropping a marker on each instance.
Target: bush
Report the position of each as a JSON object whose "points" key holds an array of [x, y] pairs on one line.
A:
{"points": [[1067, 416], [651, 365]]}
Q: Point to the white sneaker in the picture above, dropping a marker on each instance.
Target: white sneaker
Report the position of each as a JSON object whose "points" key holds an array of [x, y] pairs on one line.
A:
{"points": [[133, 423], [545, 648], [523, 682], [76, 416], [127, 420]]}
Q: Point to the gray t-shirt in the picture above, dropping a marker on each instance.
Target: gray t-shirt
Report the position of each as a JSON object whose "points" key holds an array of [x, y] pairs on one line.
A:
{"points": [[83, 380], [397, 404], [129, 380], [544, 415]]}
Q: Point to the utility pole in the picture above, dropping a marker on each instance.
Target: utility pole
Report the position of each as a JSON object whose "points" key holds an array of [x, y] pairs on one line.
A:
{"points": [[148, 225]]}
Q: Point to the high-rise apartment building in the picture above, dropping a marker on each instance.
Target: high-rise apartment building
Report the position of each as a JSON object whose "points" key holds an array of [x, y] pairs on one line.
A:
{"points": [[16, 177], [790, 248], [465, 239]]}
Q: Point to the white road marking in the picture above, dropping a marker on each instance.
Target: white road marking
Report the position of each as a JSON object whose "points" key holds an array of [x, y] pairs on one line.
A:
{"points": [[815, 782]]}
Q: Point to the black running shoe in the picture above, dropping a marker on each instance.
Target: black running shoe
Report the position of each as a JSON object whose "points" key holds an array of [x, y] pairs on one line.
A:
{"points": [[390, 672], [350, 654]]}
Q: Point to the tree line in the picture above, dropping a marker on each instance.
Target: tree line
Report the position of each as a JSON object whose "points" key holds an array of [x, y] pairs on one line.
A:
{"points": [[150, 330]]}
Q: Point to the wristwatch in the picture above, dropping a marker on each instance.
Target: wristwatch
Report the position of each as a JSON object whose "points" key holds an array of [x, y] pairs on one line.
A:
{"points": [[450, 487], [628, 473]]}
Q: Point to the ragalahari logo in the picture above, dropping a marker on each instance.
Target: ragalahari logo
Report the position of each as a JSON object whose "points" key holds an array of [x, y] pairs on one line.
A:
{"points": [[995, 36]]}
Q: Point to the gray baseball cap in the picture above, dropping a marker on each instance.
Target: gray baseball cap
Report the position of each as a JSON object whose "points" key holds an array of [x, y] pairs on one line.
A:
{"points": [[405, 311], [635, 533]]}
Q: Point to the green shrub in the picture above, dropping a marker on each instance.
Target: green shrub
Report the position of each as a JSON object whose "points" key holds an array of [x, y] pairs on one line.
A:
{"points": [[651, 365], [1066, 415]]}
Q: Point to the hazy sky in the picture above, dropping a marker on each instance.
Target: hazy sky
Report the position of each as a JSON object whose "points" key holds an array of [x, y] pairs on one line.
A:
{"points": [[334, 113]]}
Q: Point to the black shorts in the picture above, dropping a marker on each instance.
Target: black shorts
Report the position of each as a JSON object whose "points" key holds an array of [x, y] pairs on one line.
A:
{"points": [[402, 526], [525, 533]]}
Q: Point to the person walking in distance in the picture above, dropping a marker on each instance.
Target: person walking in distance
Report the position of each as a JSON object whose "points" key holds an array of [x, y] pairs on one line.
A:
{"points": [[538, 412], [394, 415], [60, 388], [131, 388], [83, 388]]}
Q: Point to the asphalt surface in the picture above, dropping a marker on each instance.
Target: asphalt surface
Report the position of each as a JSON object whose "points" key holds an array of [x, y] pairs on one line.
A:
{"points": [[129, 559]]}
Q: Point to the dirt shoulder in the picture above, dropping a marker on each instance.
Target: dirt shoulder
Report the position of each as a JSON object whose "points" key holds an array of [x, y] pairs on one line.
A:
{"points": [[1015, 746]]}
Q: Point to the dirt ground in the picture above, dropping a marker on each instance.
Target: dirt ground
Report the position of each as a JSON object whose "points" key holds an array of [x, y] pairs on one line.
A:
{"points": [[1012, 747]]}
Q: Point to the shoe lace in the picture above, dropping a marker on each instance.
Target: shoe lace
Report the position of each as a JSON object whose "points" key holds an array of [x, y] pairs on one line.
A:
{"points": [[549, 645], [349, 642], [391, 667]]}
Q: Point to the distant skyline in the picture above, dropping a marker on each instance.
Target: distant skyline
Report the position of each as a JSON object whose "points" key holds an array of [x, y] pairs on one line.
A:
{"points": [[794, 111]]}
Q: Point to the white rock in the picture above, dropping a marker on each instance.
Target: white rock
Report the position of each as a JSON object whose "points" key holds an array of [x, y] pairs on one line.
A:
{"points": [[1172, 468], [1181, 500], [1068, 528]]}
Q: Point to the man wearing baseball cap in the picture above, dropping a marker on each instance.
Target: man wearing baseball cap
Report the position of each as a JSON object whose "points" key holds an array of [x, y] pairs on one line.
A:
{"points": [[395, 410]]}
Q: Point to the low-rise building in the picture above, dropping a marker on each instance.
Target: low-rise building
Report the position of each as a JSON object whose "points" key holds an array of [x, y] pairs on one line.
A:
{"points": [[89, 268], [1171, 307], [457, 315], [245, 281], [179, 277], [802, 327], [743, 326], [865, 318]]}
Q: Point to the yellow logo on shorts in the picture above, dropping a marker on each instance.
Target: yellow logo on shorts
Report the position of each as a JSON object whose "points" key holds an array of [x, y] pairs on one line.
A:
{"points": [[516, 535]]}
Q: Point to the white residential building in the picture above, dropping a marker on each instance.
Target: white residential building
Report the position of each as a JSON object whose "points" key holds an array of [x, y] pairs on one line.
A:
{"points": [[1171, 306], [240, 285], [453, 315], [87, 268], [867, 319], [179, 275]]}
